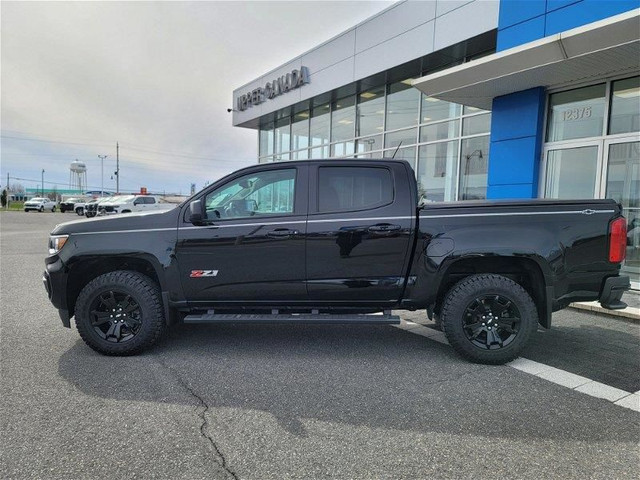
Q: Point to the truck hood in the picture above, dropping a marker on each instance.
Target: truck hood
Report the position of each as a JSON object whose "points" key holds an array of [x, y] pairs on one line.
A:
{"points": [[123, 222]]}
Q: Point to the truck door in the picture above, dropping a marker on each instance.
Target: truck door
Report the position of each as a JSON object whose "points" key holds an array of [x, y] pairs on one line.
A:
{"points": [[358, 232], [251, 248]]}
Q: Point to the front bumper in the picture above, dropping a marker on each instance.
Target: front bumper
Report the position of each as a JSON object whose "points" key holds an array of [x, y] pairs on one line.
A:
{"points": [[612, 290], [54, 279]]}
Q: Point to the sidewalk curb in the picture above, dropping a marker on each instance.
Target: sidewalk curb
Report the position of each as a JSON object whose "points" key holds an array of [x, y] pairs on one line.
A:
{"points": [[628, 313]]}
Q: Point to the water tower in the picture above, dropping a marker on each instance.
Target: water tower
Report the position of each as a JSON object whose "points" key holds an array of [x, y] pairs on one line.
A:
{"points": [[78, 176]]}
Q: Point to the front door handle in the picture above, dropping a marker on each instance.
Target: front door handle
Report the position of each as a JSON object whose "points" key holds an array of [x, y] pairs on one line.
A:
{"points": [[281, 233], [384, 227]]}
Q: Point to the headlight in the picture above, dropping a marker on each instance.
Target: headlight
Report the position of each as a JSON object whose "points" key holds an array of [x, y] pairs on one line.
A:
{"points": [[56, 242]]}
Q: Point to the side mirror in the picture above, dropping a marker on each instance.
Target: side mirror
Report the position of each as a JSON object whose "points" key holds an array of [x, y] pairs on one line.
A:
{"points": [[195, 212]]}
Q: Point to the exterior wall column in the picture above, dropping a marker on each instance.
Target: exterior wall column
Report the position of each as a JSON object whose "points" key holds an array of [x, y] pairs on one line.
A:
{"points": [[516, 141]]}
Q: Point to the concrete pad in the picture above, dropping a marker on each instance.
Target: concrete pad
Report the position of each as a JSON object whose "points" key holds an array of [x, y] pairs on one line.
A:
{"points": [[631, 401], [600, 390], [566, 379]]}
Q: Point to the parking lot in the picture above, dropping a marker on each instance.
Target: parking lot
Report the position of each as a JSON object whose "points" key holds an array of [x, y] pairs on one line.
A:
{"points": [[276, 402]]}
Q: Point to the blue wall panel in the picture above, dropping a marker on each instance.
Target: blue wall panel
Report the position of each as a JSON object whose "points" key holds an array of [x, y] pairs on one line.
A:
{"points": [[516, 11], [556, 4], [522, 190], [588, 11], [518, 115], [521, 33], [516, 140]]}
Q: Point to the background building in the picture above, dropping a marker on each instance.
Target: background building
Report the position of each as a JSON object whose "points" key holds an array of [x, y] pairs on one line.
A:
{"points": [[486, 99]]}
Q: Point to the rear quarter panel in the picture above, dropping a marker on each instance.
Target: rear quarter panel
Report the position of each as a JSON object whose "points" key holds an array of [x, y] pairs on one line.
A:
{"points": [[567, 240]]}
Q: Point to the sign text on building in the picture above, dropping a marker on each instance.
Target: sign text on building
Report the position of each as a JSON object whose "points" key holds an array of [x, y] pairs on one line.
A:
{"points": [[281, 85]]}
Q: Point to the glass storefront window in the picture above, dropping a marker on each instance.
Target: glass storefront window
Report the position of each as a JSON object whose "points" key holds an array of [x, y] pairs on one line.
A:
{"points": [[476, 124], [576, 113], [571, 172], [402, 105], [437, 170], [407, 137], [300, 155], [625, 106], [300, 130], [474, 160], [469, 110], [282, 135], [408, 154], [343, 116], [434, 109], [369, 144], [319, 152], [319, 125], [440, 131], [342, 149], [370, 112], [266, 140]]}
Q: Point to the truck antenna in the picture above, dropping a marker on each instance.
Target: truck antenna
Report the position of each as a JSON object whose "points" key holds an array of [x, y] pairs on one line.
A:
{"points": [[397, 148]]}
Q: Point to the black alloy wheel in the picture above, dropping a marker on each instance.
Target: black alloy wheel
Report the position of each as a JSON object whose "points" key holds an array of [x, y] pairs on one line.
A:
{"points": [[491, 322], [120, 313], [488, 318], [116, 316]]}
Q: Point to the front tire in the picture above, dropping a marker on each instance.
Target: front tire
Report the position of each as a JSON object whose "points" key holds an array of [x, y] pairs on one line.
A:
{"points": [[488, 318], [80, 211], [41, 209], [53, 209], [120, 313]]}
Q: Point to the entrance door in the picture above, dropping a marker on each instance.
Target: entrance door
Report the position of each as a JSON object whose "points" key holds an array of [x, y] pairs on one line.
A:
{"points": [[623, 185]]}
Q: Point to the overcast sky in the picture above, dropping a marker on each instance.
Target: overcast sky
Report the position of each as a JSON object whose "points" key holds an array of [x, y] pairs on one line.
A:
{"points": [[155, 76]]}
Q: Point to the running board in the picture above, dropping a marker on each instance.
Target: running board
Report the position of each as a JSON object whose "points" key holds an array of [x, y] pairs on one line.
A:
{"points": [[322, 318]]}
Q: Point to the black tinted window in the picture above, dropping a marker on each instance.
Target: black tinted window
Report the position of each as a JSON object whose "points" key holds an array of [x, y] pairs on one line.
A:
{"points": [[149, 200], [353, 188]]}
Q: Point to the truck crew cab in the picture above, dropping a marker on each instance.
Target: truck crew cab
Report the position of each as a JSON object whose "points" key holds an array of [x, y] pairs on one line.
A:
{"points": [[336, 241]]}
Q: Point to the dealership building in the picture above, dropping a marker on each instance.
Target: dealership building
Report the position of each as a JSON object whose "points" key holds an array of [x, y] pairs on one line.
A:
{"points": [[484, 98]]}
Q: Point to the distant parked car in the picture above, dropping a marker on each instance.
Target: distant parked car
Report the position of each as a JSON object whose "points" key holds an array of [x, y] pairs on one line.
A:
{"points": [[134, 203], [91, 208], [39, 204], [69, 204]]}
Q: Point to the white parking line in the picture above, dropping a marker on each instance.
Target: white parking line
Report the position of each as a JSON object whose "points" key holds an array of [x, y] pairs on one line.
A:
{"points": [[569, 380]]}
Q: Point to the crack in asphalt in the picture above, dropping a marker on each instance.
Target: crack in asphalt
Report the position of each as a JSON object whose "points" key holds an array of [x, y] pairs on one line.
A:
{"points": [[204, 406]]}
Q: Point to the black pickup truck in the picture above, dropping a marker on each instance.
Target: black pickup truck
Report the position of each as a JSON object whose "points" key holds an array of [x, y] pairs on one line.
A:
{"points": [[336, 241]]}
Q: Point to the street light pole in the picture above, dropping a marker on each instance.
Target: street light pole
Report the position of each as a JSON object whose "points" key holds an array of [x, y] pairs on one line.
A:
{"points": [[102, 157], [42, 189]]}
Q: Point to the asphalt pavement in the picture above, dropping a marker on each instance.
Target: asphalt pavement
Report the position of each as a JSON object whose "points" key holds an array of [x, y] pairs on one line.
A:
{"points": [[303, 402]]}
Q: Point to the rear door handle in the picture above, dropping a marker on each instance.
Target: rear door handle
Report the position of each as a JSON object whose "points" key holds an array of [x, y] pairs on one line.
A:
{"points": [[384, 227], [281, 233]]}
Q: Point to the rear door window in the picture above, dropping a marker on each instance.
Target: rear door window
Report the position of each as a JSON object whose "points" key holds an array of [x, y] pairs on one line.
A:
{"points": [[353, 188]]}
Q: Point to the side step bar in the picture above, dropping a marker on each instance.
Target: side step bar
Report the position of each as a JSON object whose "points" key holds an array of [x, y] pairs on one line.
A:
{"points": [[321, 318]]}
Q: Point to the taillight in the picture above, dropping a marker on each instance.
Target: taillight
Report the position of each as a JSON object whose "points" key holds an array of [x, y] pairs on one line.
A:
{"points": [[617, 240]]}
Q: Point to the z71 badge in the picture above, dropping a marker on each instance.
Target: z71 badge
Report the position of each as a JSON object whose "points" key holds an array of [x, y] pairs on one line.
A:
{"points": [[203, 273]]}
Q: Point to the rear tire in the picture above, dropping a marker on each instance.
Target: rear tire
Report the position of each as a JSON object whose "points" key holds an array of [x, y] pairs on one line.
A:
{"points": [[53, 209], [120, 313], [488, 318]]}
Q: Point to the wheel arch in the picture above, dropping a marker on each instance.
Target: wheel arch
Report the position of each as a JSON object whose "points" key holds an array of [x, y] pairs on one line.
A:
{"points": [[522, 270], [86, 269]]}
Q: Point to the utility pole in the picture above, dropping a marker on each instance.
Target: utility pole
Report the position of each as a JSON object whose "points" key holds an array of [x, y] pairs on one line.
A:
{"points": [[8, 192], [117, 168], [102, 157], [43, 182]]}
